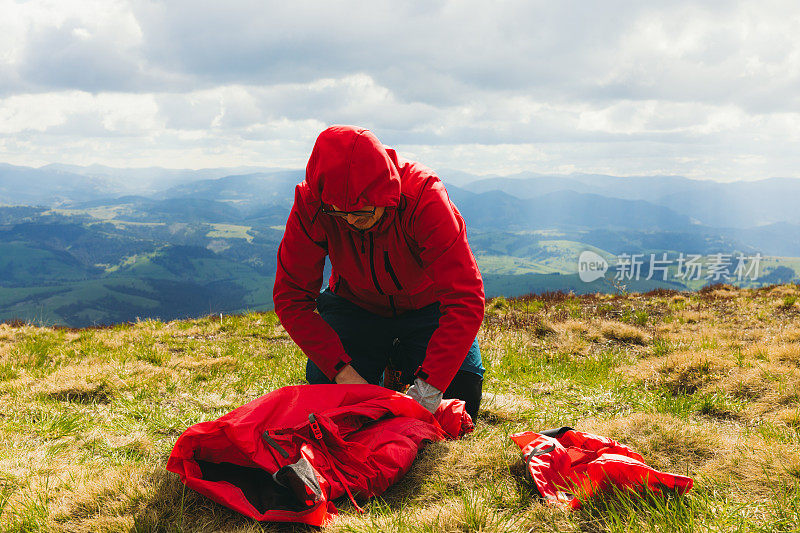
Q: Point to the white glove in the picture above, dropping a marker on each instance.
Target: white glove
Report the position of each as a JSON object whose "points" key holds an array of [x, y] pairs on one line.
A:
{"points": [[426, 395]]}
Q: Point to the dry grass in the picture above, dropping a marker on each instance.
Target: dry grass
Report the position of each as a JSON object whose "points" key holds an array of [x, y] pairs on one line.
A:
{"points": [[500, 407], [704, 384], [665, 442], [624, 333], [692, 317], [83, 383], [791, 334], [682, 372], [781, 291], [786, 353], [751, 467]]}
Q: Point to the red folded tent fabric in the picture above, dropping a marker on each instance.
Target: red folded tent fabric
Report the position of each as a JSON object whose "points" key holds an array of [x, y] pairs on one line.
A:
{"points": [[564, 463], [284, 456]]}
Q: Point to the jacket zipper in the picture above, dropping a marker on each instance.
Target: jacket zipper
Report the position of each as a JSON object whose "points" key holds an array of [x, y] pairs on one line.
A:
{"points": [[375, 276], [372, 265], [390, 270]]}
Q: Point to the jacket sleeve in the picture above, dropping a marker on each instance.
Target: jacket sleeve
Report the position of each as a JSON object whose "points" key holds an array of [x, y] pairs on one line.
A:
{"points": [[298, 279], [440, 234]]}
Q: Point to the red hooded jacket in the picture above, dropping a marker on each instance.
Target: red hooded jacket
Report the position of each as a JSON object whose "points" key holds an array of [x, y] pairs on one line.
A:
{"points": [[415, 255], [568, 466]]}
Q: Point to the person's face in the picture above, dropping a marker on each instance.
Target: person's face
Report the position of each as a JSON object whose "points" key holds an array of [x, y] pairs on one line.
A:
{"points": [[367, 222]]}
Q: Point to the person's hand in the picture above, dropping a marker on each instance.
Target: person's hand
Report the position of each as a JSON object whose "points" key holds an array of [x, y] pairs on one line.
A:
{"points": [[426, 395], [349, 376]]}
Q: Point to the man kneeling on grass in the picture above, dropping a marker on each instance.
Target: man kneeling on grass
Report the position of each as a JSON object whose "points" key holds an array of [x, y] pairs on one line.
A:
{"points": [[404, 289]]}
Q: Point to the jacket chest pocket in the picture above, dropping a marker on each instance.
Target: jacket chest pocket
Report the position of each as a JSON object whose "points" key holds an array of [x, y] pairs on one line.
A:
{"points": [[387, 264], [401, 272]]}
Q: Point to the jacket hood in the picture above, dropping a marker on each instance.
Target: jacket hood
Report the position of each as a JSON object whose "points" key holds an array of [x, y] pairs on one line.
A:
{"points": [[350, 168]]}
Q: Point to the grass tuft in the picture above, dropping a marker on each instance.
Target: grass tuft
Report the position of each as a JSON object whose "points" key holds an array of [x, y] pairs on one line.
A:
{"points": [[497, 304], [788, 302], [624, 333]]}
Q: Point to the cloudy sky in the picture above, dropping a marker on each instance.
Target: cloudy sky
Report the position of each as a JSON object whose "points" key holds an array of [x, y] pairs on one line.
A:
{"points": [[703, 89]]}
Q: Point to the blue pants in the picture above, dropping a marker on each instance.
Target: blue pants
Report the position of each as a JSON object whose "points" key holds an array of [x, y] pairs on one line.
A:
{"points": [[372, 341]]}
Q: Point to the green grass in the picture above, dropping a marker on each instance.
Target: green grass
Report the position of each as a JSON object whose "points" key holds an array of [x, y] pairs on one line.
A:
{"points": [[88, 418]]}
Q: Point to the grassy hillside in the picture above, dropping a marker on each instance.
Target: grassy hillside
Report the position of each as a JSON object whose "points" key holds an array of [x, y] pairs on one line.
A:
{"points": [[185, 257], [126, 298], [705, 384], [517, 284]]}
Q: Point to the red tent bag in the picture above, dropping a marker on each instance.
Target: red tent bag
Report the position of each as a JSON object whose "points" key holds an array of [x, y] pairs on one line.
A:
{"points": [[284, 456], [564, 463]]}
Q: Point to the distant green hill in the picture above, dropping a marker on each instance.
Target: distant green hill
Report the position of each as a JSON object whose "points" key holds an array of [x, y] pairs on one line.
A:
{"points": [[126, 299], [106, 247], [521, 284], [71, 271], [23, 265]]}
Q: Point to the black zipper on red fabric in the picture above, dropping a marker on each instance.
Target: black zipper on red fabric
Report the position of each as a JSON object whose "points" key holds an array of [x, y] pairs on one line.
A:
{"points": [[372, 265], [375, 276], [390, 270], [275, 445]]}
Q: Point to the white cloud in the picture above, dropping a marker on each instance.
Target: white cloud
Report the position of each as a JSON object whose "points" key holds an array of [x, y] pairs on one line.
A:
{"points": [[126, 114], [703, 88], [72, 44]]}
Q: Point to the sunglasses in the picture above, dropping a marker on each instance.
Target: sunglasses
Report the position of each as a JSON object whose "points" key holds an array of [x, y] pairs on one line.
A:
{"points": [[343, 214]]}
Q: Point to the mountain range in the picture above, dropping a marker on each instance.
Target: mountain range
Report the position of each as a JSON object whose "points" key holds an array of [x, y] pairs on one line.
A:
{"points": [[85, 245]]}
